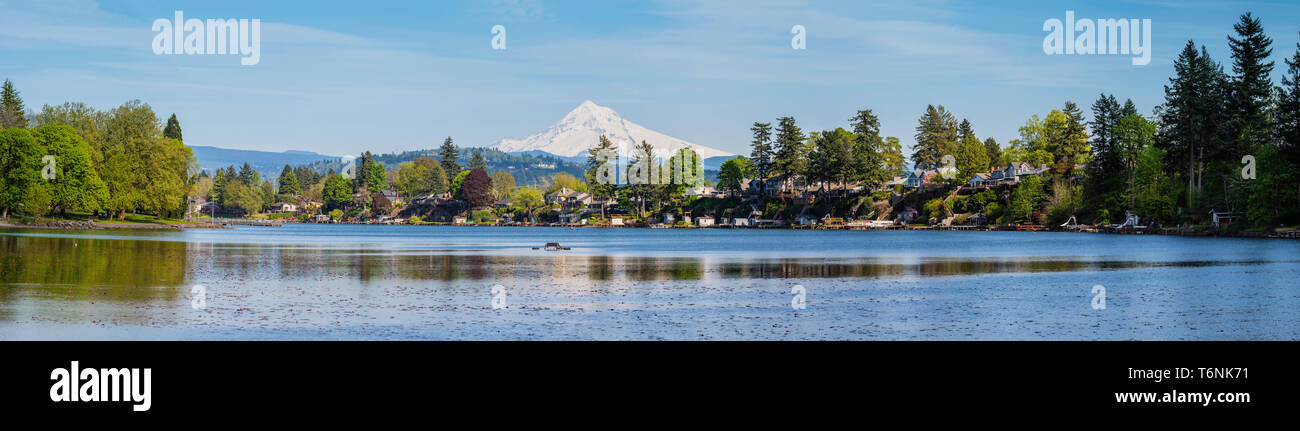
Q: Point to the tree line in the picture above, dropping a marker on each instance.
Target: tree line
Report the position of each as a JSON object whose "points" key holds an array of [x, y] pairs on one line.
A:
{"points": [[1222, 140], [74, 157]]}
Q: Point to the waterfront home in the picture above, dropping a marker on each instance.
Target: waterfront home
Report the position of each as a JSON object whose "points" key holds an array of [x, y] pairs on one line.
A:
{"points": [[776, 185], [979, 180], [321, 218], [669, 218], [889, 185], [704, 192], [393, 197], [283, 207], [918, 179], [569, 199], [616, 221], [705, 221], [806, 220], [740, 222], [460, 219]]}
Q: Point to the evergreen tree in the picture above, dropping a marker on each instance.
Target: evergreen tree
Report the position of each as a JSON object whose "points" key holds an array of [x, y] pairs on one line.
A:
{"points": [[1193, 114], [1252, 88], [247, 175], [602, 171], [337, 193], [790, 150], [173, 129], [289, 182], [641, 175], [1289, 110], [993, 151], [892, 158], [477, 161], [936, 136], [868, 157], [761, 153], [12, 111], [448, 155], [972, 157]]}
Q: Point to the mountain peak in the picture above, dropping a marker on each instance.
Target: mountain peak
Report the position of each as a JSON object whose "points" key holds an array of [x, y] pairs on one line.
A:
{"points": [[582, 127]]}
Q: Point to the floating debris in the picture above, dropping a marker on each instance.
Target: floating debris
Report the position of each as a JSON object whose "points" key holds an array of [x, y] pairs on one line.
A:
{"points": [[551, 246]]}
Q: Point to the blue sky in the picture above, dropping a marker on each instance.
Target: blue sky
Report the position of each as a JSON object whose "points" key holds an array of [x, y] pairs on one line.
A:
{"points": [[343, 77]]}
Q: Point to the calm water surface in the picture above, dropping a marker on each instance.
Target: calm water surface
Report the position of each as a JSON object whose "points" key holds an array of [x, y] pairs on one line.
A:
{"points": [[419, 282]]}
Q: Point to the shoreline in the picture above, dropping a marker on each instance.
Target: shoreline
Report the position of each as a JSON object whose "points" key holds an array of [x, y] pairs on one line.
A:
{"points": [[91, 225]]}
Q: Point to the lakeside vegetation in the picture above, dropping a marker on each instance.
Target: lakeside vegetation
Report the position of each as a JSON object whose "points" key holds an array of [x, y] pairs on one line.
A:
{"points": [[1225, 141]]}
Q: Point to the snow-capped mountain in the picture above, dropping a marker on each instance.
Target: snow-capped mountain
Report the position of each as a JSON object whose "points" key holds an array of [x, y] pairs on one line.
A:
{"points": [[581, 130]]}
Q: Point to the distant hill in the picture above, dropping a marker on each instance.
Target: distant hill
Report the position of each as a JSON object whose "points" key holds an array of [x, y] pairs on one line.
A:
{"points": [[268, 163], [528, 169]]}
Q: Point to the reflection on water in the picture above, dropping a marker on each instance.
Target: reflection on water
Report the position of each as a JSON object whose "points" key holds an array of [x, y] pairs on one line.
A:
{"points": [[124, 266], [891, 285], [103, 269]]}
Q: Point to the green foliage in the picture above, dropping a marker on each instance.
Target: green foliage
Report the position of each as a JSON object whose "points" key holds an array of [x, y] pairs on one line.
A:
{"points": [[761, 152], [527, 200], [75, 184], [503, 184], [173, 129], [1025, 200], [936, 136], [790, 149], [733, 174], [934, 207], [972, 156], [12, 112], [289, 182], [420, 177], [456, 183], [336, 215], [337, 192], [371, 174], [20, 156], [477, 161], [448, 154]]}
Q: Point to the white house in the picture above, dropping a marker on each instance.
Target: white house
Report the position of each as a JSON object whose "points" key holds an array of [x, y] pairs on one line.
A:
{"points": [[616, 221], [705, 221], [282, 207]]}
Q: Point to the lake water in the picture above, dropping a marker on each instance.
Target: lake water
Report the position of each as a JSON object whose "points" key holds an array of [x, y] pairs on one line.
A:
{"points": [[421, 282]]}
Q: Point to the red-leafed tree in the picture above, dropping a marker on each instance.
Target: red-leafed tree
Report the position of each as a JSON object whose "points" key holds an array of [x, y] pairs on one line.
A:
{"points": [[477, 189]]}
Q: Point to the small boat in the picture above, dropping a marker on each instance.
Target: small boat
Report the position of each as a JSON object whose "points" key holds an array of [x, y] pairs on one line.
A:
{"points": [[551, 246]]}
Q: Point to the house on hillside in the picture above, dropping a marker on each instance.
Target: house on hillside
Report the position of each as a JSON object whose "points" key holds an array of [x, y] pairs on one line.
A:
{"points": [[569, 199], [393, 197], [283, 207]]}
